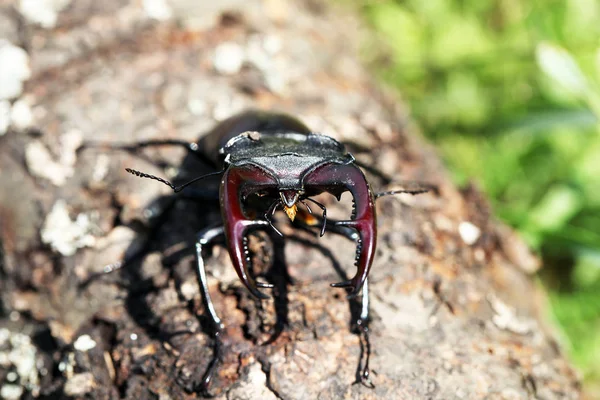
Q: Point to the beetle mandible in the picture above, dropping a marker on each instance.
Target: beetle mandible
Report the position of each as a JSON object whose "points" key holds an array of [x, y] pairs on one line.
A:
{"points": [[272, 161]]}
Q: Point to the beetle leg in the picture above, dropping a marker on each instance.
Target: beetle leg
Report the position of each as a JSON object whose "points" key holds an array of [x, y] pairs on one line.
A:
{"points": [[269, 216], [307, 206], [362, 320], [330, 226], [191, 147], [324, 217], [362, 324], [206, 238]]}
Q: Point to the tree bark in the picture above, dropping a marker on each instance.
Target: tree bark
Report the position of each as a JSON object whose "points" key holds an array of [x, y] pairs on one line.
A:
{"points": [[455, 312]]}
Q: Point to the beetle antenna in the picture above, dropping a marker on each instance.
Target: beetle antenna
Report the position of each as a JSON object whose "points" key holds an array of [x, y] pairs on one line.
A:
{"points": [[409, 191], [322, 207], [166, 182]]}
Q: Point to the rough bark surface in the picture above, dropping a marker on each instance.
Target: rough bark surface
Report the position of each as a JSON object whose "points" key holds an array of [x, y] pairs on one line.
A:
{"points": [[455, 313]]}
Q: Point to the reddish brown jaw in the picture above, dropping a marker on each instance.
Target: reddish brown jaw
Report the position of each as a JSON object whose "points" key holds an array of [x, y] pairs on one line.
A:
{"points": [[239, 180], [237, 225], [364, 221]]}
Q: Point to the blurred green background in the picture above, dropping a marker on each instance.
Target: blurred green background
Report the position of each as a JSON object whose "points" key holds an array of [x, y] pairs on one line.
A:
{"points": [[509, 90]]}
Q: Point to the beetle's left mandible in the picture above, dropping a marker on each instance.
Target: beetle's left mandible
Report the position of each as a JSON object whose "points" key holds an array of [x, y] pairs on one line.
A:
{"points": [[363, 217]]}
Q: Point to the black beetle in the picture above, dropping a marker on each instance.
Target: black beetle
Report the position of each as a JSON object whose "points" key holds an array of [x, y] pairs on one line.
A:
{"points": [[272, 161]]}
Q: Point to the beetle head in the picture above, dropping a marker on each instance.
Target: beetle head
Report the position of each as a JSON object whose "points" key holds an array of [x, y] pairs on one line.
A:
{"points": [[240, 182]]}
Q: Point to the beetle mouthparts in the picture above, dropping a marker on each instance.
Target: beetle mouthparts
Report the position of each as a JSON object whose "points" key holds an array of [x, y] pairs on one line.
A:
{"points": [[289, 199], [291, 211]]}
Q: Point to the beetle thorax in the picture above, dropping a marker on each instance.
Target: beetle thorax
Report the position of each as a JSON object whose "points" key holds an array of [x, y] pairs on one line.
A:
{"points": [[288, 157]]}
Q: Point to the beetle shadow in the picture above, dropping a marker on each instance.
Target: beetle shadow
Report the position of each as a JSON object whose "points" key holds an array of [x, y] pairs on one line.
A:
{"points": [[171, 224], [174, 222], [278, 275], [176, 219]]}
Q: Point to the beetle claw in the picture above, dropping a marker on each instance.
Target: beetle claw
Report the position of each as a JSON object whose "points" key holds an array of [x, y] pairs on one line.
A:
{"points": [[253, 286], [351, 284], [265, 285], [343, 284], [256, 293]]}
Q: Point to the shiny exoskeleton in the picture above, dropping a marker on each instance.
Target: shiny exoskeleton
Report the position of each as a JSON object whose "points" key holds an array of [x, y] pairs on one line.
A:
{"points": [[272, 161]]}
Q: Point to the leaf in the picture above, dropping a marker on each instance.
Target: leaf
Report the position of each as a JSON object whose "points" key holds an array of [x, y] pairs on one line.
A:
{"points": [[561, 67], [556, 208]]}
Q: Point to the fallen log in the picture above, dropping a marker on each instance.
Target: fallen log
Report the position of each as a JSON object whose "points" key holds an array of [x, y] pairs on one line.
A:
{"points": [[455, 312]]}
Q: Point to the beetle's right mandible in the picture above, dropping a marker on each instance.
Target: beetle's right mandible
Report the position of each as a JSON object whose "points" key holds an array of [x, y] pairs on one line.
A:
{"points": [[237, 182]]}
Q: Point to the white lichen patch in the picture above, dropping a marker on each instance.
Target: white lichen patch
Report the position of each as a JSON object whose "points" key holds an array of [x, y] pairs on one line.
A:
{"points": [[65, 235], [69, 143], [4, 116], [14, 69], [84, 343], [189, 290], [11, 392], [41, 163], [401, 312], [80, 384], [469, 233], [101, 168], [18, 352], [228, 58], [506, 318], [21, 116], [158, 9], [261, 51], [42, 12], [254, 386]]}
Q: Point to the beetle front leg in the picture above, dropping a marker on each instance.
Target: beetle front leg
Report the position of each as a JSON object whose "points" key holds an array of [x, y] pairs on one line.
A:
{"points": [[205, 239], [362, 325], [134, 147], [362, 320]]}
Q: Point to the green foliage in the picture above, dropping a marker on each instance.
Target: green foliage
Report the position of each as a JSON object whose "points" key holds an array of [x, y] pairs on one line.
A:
{"points": [[510, 91]]}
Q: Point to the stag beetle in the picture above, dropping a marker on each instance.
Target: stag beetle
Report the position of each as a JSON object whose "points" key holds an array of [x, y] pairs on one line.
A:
{"points": [[270, 161]]}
